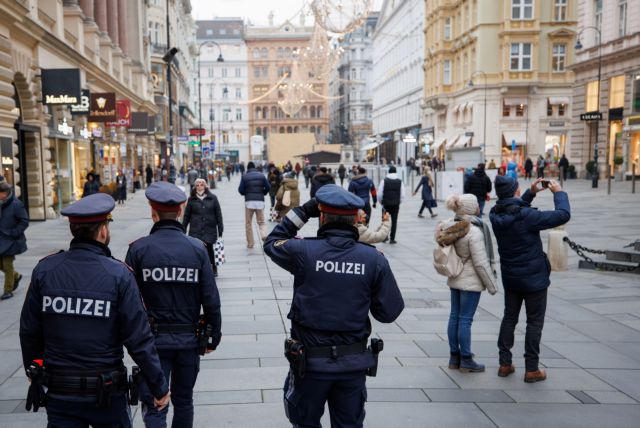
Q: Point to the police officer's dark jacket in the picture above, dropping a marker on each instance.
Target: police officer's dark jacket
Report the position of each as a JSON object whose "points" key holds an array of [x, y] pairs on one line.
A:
{"points": [[337, 282], [175, 277], [253, 186], [81, 308]]}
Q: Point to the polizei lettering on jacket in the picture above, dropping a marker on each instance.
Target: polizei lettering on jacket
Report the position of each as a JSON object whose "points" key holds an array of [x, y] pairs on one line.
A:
{"points": [[170, 274], [76, 306], [347, 268]]}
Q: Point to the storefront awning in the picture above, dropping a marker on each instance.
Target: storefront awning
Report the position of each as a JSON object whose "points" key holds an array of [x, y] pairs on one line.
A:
{"points": [[461, 141], [438, 142], [558, 100], [452, 141], [469, 105], [369, 146], [520, 137], [516, 101]]}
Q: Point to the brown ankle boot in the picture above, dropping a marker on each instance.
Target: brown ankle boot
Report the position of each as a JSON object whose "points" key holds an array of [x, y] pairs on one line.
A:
{"points": [[505, 371], [537, 376]]}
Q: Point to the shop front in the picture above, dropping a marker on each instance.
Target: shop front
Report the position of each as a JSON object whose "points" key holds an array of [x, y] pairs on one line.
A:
{"points": [[514, 146], [631, 146], [615, 155]]}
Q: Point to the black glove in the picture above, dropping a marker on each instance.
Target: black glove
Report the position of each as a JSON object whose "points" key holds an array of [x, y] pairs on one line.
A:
{"points": [[375, 205], [35, 395], [310, 208]]}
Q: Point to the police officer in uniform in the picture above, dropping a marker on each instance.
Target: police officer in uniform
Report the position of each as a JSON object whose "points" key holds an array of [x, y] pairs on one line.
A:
{"points": [[81, 308], [176, 279], [337, 282]]}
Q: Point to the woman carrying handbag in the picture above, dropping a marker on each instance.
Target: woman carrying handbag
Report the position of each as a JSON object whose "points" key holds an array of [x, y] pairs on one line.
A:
{"points": [[203, 218]]}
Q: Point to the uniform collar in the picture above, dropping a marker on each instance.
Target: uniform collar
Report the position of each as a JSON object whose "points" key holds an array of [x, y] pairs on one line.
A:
{"points": [[90, 245], [340, 230], [167, 224]]}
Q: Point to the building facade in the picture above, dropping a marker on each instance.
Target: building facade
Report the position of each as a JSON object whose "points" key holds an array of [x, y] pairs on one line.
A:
{"points": [[617, 54], [224, 87], [351, 88], [496, 77], [398, 53], [271, 52], [47, 149]]}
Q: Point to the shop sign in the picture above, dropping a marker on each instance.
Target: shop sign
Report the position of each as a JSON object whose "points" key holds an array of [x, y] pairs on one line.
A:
{"points": [[139, 123], [64, 128], [594, 115], [468, 134], [151, 125], [102, 107], [160, 136], [83, 106], [84, 133], [556, 124], [123, 114], [60, 86], [97, 131], [197, 132]]}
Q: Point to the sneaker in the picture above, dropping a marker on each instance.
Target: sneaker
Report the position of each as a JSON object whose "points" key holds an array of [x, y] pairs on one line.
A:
{"points": [[434, 215], [454, 361], [393, 241], [537, 376], [420, 215], [6, 296], [16, 283], [467, 365], [506, 370]]}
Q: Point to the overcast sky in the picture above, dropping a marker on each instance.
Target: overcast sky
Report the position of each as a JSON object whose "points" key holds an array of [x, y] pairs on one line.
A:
{"points": [[255, 10]]}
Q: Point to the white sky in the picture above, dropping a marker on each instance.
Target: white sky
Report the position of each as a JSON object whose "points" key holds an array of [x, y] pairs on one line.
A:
{"points": [[255, 10]]}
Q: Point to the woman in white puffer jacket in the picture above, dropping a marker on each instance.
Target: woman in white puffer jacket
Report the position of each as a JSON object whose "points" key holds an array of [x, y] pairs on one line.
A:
{"points": [[472, 242]]}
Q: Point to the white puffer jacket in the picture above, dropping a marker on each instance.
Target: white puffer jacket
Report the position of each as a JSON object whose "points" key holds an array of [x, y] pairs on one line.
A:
{"points": [[468, 240]]}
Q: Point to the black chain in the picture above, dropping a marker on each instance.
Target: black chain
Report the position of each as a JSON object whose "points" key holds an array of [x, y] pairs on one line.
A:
{"points": [[580, 250]]}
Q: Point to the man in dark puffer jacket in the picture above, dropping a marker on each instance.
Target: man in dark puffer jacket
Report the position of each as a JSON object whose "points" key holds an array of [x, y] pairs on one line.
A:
{"points": [[361, 186], [478, 184], [319, 180], [253, 186]]}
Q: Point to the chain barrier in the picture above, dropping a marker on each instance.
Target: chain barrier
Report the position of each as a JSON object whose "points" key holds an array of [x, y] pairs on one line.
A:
{"points": [[580, 250]]}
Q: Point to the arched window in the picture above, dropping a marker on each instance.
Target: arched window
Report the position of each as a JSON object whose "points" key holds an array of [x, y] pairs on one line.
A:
{"points": [[289, 130], [264, 112], [256, 53], [257, 112], [280, 52], [304, 112], [319, 112], [296, 129], [258, 131], [274, 112], [287, 52], [281, 130], [312, 129], [319, 130], [264, 53], [264, 132], [313, 112]]}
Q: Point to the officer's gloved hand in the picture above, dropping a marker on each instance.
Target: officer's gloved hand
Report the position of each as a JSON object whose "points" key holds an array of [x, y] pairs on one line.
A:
{"points": [[310, 208]]}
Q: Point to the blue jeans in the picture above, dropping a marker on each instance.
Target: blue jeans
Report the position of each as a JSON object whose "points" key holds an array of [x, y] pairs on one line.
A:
{"points": [[463, 308], [481, 203]]}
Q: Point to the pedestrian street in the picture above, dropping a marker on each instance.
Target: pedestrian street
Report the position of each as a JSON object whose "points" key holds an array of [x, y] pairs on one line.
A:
{"points": [[590, 343]]}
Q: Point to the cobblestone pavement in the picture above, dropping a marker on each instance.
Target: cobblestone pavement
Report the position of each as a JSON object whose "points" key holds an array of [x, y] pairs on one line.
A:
{"points": [[591, 339]]}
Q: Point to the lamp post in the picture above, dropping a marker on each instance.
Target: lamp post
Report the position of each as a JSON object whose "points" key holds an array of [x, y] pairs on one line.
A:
{"points": [[484, 130], [578, 46], [220, 59]]}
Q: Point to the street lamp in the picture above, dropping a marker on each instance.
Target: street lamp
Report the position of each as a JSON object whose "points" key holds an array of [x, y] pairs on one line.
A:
{"points": [[168, 59], [578, 46], [484, 130], [220, 59]]}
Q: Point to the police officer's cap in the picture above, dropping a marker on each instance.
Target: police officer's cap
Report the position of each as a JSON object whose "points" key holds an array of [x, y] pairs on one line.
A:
{"points": [[94, 208], [333, 199], [165, 197]]}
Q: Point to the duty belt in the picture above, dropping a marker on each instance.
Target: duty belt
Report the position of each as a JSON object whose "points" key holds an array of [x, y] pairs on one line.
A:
{"points": [[336, 351], [86, 382], [173, 328]]}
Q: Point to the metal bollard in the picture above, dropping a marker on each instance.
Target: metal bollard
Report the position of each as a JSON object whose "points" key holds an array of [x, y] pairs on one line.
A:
{"points": [[608, 179], [633, 178], [558, 250]]}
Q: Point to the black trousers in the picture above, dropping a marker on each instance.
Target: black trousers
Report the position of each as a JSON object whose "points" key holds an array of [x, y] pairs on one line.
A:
{"points": [[423, 206], [536, 305], [367, 211], [72, 414], [212, 255], [393, 212]]}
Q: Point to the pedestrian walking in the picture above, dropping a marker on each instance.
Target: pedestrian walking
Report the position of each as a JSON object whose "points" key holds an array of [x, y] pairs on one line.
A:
{"points": [[228, 170], [176, 281], [362, 186], [342, 172], [81, 308], [512, 169], [148, 171], [479, 185], [306, 172], [322, 178], [203, 219], [343, 281], [368, 235], [91, 186], [541, 164], [192, 176], [297, 169], [471, 240], [253, 186], [14, 220], [275, 178], [563, 165], [391, 193], [288, 195], [428, 201], [524, 266], [528, 167], [121, 188]]}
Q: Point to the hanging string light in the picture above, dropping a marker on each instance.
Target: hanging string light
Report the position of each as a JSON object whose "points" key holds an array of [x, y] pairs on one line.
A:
{"points": [[341, 16], [318, 60], [295, 91]]}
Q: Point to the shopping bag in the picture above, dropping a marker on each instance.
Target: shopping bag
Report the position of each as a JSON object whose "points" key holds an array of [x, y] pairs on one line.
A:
{"points": [[218, 252], [273, 215]]}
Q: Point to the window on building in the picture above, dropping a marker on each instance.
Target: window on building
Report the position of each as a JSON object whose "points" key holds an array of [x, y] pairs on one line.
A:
{"points": [[506, 109], [597, 17], [313, 112], [238, 72], [635, 101], [559, 55], [562, 108], [280, 53], [520, 56], [226, 114], [256, 72], [239, 138], [592, 96], [225, 137], [255, 53], [225, 93], [520, 110], [549, 108], [521, 9], [238, 114], [224, 71], [264, 53], [210, 71], [446, 72], [560, 10], [238, 93], [616, 92], [312, 129], [212, 115], [622, 18], [447, 28]]}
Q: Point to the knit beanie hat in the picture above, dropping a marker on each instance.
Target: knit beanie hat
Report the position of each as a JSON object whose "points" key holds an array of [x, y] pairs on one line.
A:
{"points": [[392, 169], [4, 186], [466, 204], [505, 186]]}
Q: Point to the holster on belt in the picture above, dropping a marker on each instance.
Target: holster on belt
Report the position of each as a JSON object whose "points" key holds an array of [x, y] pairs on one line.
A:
{"points": [[36, 395], [204, 334], [295, 353], [134, 385], [103, 383], [377, 345]]}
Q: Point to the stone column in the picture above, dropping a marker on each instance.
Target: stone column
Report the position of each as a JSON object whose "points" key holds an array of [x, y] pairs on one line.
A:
{"points": [[112, 20], [100, 7], [123, 28], [87, 8]]}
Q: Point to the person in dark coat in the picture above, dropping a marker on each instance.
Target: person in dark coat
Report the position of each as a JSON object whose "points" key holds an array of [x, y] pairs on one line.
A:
{"points": [[391, 193], [275, 178], [253, 186], [91, 186], [203, 218], [342, 172], [148, 172], [528, 167], [121, 188], [428, 200], [563, 164], [14, 220], [322, 178], [524, 266], [478, 184], [362, 186]]}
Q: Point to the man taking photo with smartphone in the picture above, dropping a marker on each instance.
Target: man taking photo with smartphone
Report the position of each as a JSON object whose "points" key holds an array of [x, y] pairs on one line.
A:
{"points": [[524, 265]]}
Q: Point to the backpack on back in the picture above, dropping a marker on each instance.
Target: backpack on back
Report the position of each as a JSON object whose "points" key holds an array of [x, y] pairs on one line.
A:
{"points": [[286, 198], [446, 261]]}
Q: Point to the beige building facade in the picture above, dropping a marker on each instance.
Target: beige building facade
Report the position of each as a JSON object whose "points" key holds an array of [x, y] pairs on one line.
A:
{"points": [[496, 77], [271, 51]]}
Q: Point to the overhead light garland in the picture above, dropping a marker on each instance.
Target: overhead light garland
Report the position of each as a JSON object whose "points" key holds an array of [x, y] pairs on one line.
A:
{"points": [[295, 91], [319, 58], [341, 16]]}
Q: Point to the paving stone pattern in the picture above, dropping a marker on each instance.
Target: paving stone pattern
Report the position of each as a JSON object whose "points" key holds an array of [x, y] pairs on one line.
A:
{"points": [[591, 339]]}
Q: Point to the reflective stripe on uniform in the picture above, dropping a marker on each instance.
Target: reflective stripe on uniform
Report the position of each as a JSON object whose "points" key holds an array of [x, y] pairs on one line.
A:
{"points": [[297, 221]]}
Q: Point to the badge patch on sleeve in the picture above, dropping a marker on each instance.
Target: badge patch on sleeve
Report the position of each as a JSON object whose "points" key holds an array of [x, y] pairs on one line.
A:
{"points": [[280, 243]]}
